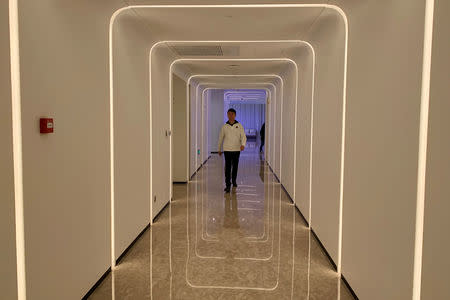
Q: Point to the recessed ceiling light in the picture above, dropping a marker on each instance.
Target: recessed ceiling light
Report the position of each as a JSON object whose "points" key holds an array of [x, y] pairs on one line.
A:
{"points": [[233, 66]]}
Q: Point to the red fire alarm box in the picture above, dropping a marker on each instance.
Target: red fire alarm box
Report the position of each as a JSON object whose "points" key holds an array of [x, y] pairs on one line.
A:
{"points": [[46, 125]]}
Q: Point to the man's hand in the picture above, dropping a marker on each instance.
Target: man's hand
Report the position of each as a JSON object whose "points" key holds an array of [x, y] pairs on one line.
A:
{"points": [[220, 153], [242, 148]]}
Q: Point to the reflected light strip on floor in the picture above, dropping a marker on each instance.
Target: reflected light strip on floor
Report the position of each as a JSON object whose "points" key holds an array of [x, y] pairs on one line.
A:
{"points": [[231, 287], [222, 257], [267, 258]]}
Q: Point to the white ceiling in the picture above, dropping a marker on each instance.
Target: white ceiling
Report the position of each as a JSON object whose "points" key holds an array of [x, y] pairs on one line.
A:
{"points": [[228, 23], [258, 30]]}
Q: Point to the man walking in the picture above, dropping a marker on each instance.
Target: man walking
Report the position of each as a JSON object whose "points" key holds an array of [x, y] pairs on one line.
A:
{"points": [[233, 137], [262, 134]]}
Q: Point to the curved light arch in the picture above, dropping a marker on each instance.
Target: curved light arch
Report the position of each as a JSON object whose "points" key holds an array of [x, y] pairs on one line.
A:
{"points": [[242, 59], [225, 85], [344, 96], [253, 75]]}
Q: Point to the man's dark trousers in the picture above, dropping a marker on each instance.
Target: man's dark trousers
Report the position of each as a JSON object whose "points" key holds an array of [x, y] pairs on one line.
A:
{"points": [[231, 166]]}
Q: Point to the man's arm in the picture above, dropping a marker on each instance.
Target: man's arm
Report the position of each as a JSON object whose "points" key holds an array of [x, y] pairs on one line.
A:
{"points": [[243, 138], [219, 147]]}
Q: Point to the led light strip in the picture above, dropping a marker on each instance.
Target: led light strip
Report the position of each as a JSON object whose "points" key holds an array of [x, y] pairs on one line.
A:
{"points": [[423, 143], [17, 148], [232, 287], [112, 20]]}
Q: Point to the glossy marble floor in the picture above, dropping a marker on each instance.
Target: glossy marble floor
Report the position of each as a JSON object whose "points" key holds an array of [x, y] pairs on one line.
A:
{"points": [[249, 244]]}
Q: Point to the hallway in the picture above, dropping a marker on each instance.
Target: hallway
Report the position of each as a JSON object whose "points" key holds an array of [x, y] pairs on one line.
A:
{"points": [[110, 182], [240, 245]]}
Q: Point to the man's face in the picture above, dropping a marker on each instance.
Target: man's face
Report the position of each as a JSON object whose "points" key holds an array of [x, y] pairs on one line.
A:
{"points": [[231, 116]]}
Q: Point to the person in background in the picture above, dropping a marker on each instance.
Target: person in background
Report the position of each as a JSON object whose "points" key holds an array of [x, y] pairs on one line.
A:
{"points": [[262, 134], [233, 138]]}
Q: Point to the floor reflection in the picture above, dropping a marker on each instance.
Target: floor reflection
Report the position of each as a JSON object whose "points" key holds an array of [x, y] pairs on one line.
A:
{"points": [[249, 244]]}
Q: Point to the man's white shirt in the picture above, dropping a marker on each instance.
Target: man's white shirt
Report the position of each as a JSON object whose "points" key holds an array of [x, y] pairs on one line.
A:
{"points": [[232, 137]]}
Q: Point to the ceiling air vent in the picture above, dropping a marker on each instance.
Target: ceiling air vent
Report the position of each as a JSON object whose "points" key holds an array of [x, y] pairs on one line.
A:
{"points": [[198, 50]]}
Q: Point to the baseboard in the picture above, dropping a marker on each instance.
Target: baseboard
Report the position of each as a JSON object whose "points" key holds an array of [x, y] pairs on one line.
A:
{"points": [[96, 285], [179, 182], [201, 165], [301, 214], [160, 212], [324, 250], [349, 287], [271, 170], [287, 193], [119, 259]]}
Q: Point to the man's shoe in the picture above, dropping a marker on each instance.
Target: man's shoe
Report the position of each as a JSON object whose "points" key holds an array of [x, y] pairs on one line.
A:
{"points": [[234, 184], [227, 189]]}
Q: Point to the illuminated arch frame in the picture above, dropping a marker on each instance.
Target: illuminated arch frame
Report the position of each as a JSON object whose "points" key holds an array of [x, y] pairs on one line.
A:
{"points": [[333, 7], [246, 75], [225, 85]]}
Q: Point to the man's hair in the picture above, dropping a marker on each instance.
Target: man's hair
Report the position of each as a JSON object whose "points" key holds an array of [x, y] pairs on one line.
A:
{"points": [[232, 110]]}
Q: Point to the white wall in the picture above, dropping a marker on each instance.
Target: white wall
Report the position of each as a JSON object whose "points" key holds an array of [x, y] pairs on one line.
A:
{"points": [[161, 60], [384, 80], [132, 130], [327, 38], [8, 282], [288, 129], [436, 261], [302, 184], [179, 138], [204, 133], [215, 122], [277, 128], [64, 73], [193, 129]]}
